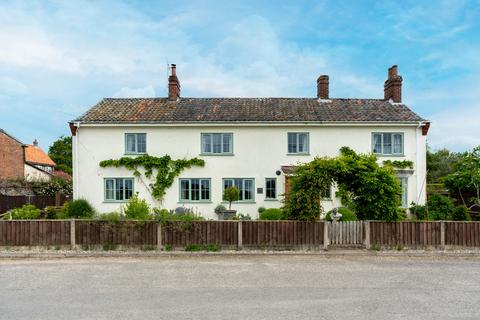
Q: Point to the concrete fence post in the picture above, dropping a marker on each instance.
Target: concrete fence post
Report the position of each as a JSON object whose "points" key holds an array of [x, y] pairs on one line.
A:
{"points": [[159, 236], [326, 238], [72, 234], [367, 234], [442, 235], [240, 235]]}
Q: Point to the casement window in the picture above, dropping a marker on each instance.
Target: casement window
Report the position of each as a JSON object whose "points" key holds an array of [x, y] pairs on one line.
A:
{"points": [[404, 184], [246, 187], [387, 143], [118, 189], [270, 188], [195, 189], [135, 143], [217, 143], [298, 143]]}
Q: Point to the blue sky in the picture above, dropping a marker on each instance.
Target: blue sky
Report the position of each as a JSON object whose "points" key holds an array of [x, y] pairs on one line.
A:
{"points": [[58, 58]]}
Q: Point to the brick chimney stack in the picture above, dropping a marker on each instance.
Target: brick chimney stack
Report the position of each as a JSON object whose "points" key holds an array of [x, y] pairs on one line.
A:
{"points": [[393, 85], [322, 87], [173, 84]]}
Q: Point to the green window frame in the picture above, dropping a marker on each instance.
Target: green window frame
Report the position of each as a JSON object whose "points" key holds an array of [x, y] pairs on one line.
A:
{"points": [[213, 143], [388, 143], [245, 185], [195, 189], [135, 143], [271, 188], [298, 143], [118, 189]]}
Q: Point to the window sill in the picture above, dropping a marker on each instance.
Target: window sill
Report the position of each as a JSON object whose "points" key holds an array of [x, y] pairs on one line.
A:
{"points": [[389, 155], [193, 201], [239, 202], [115, 201], [135, 154], [271, 199], [298, 154], [216, 154]]}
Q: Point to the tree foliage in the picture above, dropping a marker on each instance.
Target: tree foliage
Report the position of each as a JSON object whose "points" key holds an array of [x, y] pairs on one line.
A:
{"points": [[372, 192], [231, 194], [61, 153], [167, 169], [440, 163], [465, 176]]}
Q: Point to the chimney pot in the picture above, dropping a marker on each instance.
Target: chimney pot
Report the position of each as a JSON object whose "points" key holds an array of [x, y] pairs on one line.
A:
{"points": [[173, 84], [323, 87], [35, 143]]}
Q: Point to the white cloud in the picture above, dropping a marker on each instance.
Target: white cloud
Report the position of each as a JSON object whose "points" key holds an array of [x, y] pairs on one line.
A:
{"points": [[11, 86]]}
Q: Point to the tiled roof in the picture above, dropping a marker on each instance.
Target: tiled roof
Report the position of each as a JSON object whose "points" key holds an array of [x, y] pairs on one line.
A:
{"points": [[35, 155], [9, 135], [160, 110]]}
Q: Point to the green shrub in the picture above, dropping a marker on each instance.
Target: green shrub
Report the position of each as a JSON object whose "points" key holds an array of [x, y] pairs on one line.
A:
{"points": [[439, 207], [164, 215], [419, 211], [202, 247], [26, 212], [137, 208], [461, 213], [52, 212], [79, 209], [272, 214], [168, 247], [231, 194], [261, 209], [113, 216], [220, 208], [347, 215]]}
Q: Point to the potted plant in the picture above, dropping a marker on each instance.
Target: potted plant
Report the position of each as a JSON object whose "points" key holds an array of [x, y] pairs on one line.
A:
{"points": [[230, 194]]}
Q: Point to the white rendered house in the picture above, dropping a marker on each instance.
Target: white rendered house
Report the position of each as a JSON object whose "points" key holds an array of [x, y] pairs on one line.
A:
{"points": [[251, 143]]}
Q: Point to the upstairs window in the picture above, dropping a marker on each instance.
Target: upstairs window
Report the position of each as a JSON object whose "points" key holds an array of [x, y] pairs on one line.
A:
{"points": [[217, 143], [387, 143], [246, 187], [195, 190], [298, 143], [118, 189], [135, 143]]}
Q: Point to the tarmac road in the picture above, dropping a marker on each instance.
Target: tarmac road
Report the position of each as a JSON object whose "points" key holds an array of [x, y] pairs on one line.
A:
{"points": [[241, 287]]}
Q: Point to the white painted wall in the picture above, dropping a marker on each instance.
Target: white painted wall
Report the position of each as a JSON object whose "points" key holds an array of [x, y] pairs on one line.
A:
{"points": [[259, 151], [34, 174]]}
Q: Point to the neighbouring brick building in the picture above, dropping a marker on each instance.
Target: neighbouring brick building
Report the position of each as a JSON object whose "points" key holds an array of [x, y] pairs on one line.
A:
{"points": [[12, 157], [19, 160]]}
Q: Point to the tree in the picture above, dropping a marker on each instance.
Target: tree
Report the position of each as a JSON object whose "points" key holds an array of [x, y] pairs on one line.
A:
{"points": [[466, 176], [371, 191], [61, 153], [440, 163], [231, 194]]}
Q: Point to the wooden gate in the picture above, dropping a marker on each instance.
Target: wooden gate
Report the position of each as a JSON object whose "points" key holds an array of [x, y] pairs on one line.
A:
{"points": [[346, 233]]}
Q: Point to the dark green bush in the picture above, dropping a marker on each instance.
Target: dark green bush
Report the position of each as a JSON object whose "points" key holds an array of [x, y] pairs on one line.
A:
{"points": [[347, 215], [419, 211], [137, 208], [113, 216], [272, 214], [164, 215], [52, 212], [220, 208], [79, 209], [461, 213], [439, 207], [261, 209], [26, 212]]}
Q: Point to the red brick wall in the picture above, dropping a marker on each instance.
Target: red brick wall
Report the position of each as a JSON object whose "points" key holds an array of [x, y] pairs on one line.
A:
{"points": [[11, 158]]}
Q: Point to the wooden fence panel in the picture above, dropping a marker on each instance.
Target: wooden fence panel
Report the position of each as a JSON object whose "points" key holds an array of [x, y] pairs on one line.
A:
{"points": [[409, 234], [12, 202], [346, 232], [129, 233], [34, 232], [462, 234], [282, 234], [181, 234]]}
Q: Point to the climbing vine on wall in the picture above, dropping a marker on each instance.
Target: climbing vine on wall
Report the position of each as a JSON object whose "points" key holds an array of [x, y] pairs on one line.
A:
{"points": [[399, 164], [167, 169]]}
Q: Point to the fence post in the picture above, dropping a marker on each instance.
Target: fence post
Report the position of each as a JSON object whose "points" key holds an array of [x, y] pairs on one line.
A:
{"points": [[159, 236], [367, 234], [442, 235], [326, 239], [240, 235], [72, 234]]}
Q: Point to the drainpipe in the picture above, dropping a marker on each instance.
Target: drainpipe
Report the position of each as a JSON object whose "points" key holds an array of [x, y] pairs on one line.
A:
{"points": [[76, 175], [417, 132]]}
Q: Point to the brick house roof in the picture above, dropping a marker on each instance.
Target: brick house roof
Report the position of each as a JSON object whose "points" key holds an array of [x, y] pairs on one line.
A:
{"points": [[161, 110], [35, 155]]}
